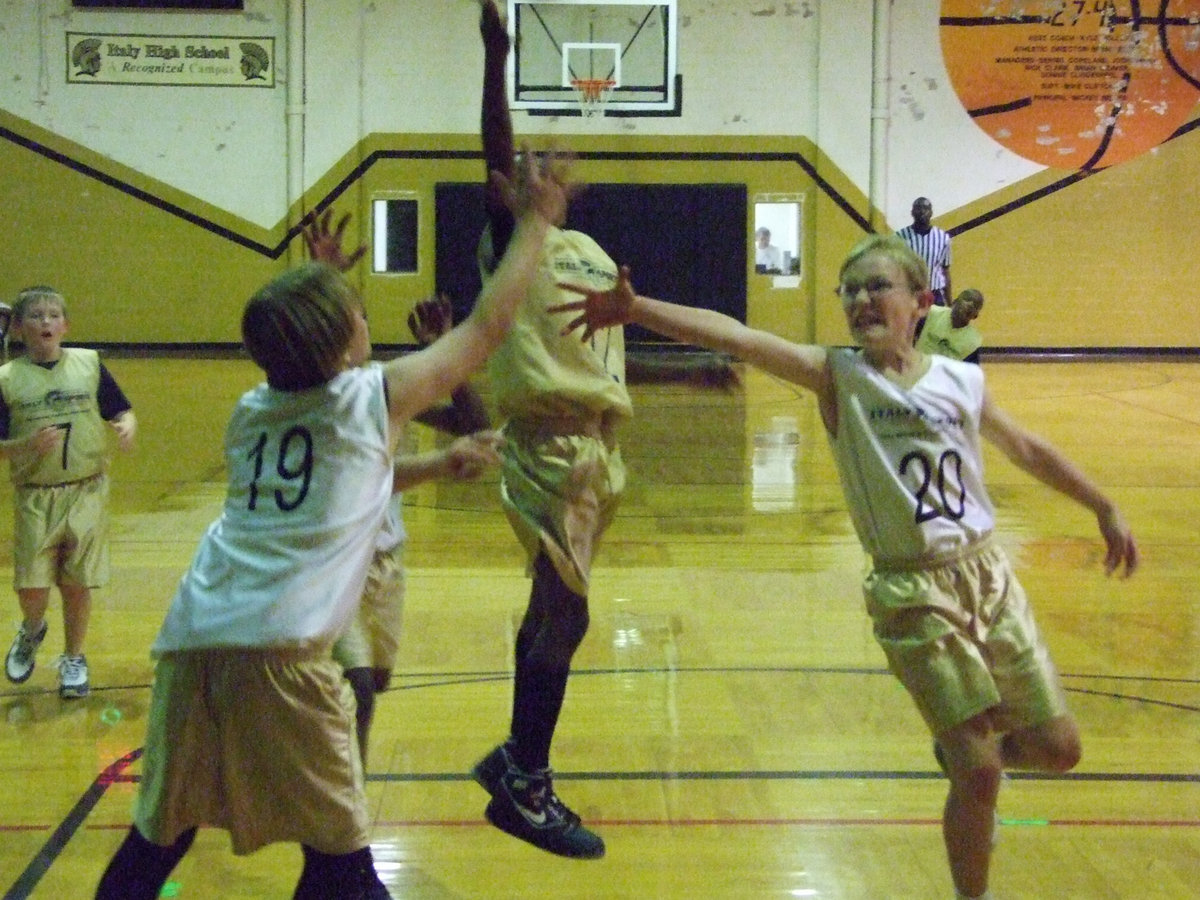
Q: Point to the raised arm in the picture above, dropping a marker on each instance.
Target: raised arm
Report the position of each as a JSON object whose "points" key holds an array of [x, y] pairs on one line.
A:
{"points": [[802, 364], [1037, 456], [495, 122]]}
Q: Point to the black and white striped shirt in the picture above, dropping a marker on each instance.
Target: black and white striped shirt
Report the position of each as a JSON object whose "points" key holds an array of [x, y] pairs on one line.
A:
{"points": [[934, 248]]}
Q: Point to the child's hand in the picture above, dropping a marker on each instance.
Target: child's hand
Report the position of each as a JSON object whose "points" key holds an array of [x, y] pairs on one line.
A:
{"points": [[45, 440], [468, 456], [326, 246], [125, 425], [540, 185], [598, 309], [430, 319], [1122, 548]]}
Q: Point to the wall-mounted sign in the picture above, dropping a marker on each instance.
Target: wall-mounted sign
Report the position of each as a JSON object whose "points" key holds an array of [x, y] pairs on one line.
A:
{"points": [[170, 60], [1074, 85]]}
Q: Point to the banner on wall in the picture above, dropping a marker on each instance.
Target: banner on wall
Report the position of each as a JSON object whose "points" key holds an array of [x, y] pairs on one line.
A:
{"points": [[1074, 85], [170, 60]]}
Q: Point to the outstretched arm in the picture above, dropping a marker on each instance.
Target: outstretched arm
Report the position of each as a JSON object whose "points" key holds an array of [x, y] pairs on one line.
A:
{"points": [[1038, 457], [803, 364], [466, 458]]}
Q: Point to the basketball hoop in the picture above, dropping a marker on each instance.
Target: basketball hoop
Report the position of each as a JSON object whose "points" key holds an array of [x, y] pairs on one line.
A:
{"points": [[593, 94]]}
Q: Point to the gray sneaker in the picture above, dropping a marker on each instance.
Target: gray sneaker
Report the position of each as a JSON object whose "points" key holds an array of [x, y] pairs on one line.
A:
{"points": [[18, 665], [72, 677]]}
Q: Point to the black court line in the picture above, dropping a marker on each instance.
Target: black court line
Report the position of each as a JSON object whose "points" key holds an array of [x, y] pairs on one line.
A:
{"points": [[116, 772], [57, 842]]}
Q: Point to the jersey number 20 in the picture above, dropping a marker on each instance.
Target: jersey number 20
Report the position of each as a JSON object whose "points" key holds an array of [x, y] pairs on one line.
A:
{"points": [[937, 482]]}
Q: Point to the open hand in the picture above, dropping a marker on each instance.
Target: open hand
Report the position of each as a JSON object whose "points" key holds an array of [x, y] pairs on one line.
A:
{"points": [[539, 185], [326, 246], [492, 26], [598, 309], [430, 319]]}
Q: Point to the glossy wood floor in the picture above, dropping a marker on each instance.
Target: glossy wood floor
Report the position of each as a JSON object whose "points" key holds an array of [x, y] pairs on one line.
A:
{"points": [[729, 728]]}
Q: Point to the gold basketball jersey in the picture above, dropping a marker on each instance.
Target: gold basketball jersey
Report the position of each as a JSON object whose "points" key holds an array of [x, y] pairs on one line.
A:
{"points": [[63, 397]]}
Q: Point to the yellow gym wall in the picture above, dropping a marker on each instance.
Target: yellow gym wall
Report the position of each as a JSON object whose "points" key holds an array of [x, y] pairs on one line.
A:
{"points": [[1066, 261]]}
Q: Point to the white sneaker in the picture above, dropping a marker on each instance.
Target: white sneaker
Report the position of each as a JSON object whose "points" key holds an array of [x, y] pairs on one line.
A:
{"points": [[72, 677], [18, 665]]}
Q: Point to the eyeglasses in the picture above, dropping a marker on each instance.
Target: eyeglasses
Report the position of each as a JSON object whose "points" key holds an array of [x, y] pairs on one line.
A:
{"points": [[875, 288]]}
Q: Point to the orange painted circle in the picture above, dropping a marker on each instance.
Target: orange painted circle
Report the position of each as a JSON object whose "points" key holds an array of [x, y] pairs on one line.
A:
{"points": [[1074, 85]]}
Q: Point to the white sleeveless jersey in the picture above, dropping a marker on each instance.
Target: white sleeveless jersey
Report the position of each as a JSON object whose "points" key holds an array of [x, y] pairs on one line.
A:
{"points": [[310, 480], [909, 459]]}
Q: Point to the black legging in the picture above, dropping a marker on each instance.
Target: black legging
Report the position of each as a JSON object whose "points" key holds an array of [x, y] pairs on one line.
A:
{"points": [[140, 868], [553, 628]]}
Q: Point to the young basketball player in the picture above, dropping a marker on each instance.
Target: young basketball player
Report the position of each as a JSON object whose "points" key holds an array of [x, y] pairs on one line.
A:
{"points": [[947, 609], [251, 724], [367, 649], [561, 478], [54, 404], [948, 330]]}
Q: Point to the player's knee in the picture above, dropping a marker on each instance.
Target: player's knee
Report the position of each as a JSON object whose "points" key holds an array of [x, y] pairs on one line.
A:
{"points": [[1065, 753], [980, 782]]}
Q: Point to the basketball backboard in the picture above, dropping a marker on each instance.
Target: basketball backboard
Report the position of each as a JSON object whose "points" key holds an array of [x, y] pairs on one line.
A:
{"points": [[559, 42]]}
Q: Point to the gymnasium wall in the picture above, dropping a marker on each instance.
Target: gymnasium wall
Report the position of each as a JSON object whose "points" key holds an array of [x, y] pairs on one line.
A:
{"points": [[157, 210]]}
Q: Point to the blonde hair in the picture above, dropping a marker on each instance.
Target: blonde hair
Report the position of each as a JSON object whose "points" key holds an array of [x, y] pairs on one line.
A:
{"points": [[26, 297], [894, 248], [298, 326]]}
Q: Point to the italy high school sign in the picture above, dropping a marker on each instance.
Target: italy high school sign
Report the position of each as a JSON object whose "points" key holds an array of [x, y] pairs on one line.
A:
{"points": [[170, 60]]}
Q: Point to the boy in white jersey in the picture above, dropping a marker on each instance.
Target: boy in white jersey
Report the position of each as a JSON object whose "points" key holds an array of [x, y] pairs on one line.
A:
{"points": [[561, 479], [54, 403], [251, 724], [948, 612]]}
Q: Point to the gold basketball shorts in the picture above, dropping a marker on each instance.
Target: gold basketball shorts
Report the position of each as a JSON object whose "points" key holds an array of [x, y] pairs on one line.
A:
{"points": [[60, 534], [560, 485], [372, 639], [961, 638], [259, 742]]}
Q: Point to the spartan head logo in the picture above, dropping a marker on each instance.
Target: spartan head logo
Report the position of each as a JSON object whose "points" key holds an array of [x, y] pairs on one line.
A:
{"points": [[86, 56], [254, 61]]}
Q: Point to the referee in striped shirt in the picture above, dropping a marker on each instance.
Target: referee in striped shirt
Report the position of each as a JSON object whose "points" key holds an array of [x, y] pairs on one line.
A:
{"points": [[932, 244]]}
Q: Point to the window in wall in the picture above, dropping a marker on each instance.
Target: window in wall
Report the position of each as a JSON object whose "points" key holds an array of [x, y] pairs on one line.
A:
{"points": [[394, 234], [777, 244]]}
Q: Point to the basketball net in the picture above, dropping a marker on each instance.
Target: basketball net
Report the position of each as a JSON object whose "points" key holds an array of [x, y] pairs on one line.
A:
{"points": [[593, 94]]}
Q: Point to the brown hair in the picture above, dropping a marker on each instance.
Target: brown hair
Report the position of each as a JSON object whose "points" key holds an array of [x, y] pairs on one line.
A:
{"points": [[27, 296], [298, 326]]}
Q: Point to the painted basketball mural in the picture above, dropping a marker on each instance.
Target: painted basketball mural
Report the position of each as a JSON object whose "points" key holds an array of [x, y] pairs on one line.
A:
{"points": [[1083, 84]]}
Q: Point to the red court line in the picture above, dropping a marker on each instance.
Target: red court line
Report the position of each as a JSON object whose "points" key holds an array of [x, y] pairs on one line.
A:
{"points": [[812, 822], [727, 823]]}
